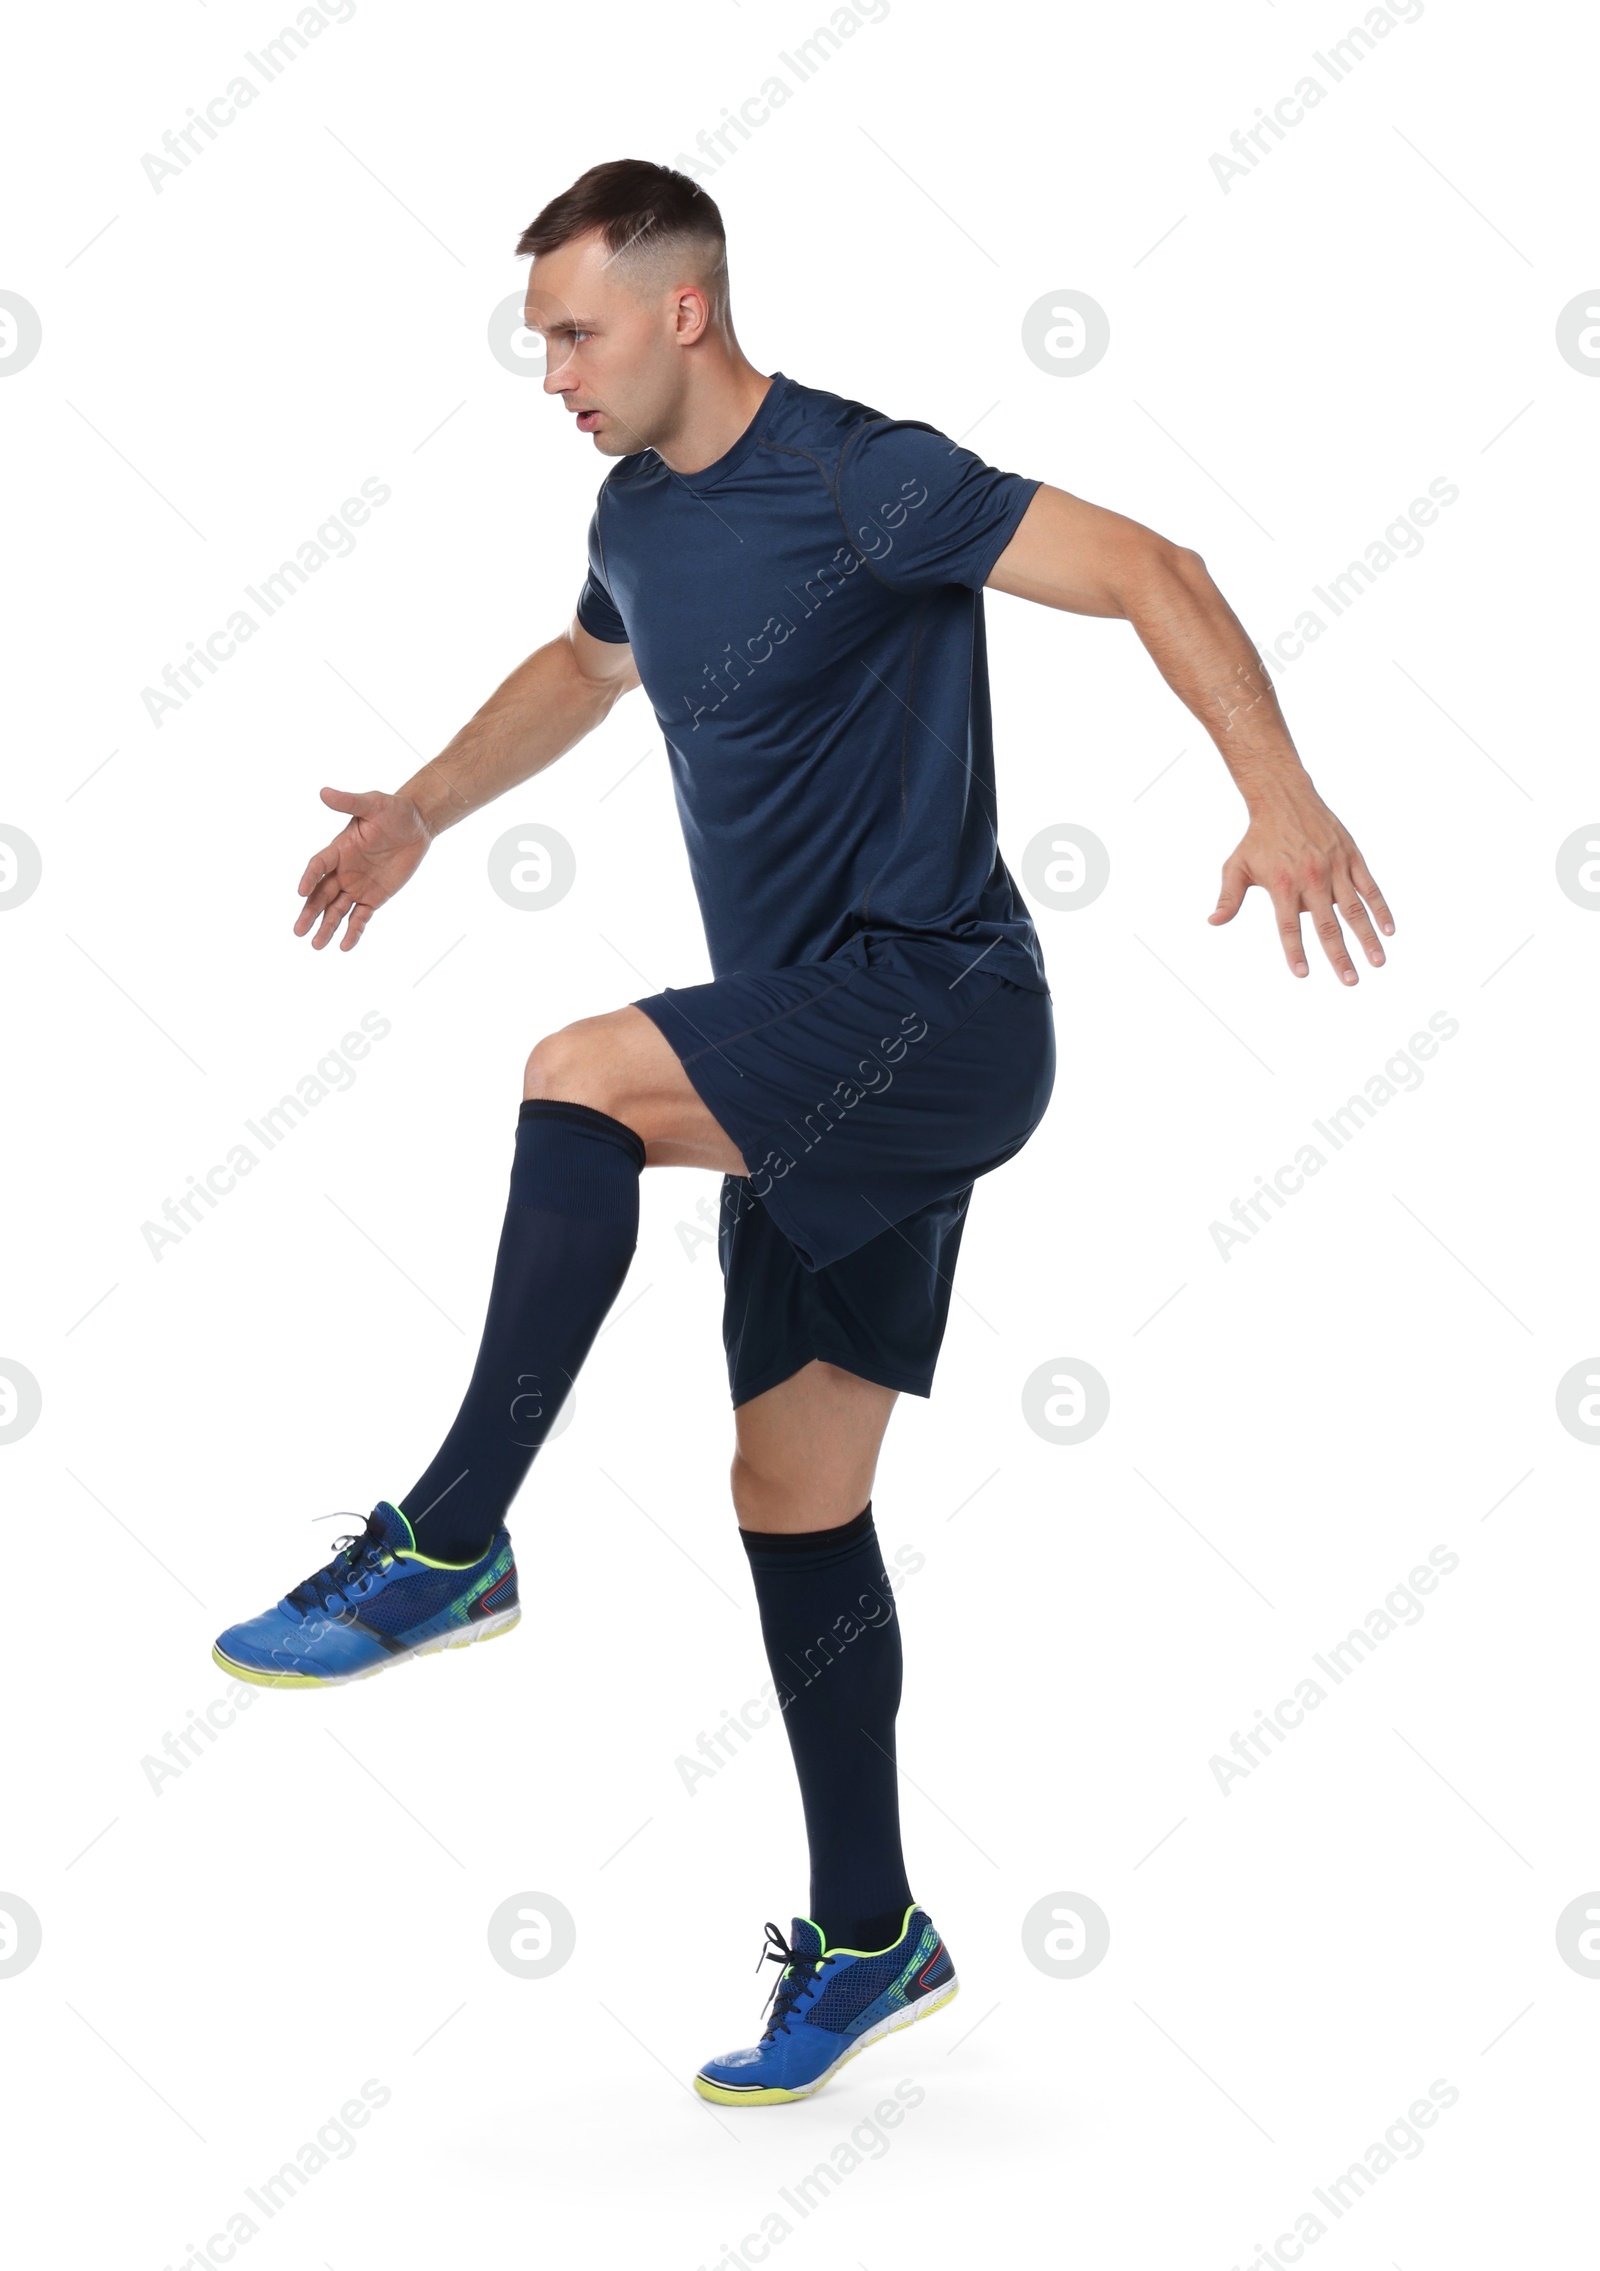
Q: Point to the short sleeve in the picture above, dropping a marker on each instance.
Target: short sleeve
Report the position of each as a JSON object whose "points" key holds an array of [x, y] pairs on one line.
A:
{"points": [[923, 510], [597, 610]]}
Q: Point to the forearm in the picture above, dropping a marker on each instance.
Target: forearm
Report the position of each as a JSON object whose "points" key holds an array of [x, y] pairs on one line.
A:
{"points": [[1068, 553], [531, 719], [1205, 655], [1295, 848]]}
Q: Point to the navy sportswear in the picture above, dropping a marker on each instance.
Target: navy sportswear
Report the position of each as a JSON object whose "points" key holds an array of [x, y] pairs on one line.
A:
{"points": [[571, 1226], [806, 617], [866, 1093], [833, 1645]]}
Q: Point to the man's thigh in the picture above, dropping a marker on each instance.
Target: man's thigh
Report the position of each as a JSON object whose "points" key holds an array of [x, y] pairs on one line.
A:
{"points": [[897, 1074], [622, 1063], [867, 1087]]}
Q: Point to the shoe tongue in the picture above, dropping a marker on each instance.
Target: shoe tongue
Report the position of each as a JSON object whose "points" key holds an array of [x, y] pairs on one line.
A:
{"points": [[387, 1526], [805, 1939]]}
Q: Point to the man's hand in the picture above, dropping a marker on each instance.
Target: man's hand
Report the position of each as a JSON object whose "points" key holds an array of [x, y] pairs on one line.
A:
{"points": [[548, 703], [1070, 554], [365, 864], [1306, 861]]}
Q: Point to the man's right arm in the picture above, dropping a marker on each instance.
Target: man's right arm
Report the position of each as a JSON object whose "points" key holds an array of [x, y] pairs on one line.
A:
{"points": [[552, 700], [563, 691]]}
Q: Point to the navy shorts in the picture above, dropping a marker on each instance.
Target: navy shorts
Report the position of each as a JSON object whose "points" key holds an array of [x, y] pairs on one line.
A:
{"points": [[866, 1093]]}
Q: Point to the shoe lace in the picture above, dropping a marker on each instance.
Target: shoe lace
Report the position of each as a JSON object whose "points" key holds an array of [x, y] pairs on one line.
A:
{"points": [[797, 1979], [354, 1556]]}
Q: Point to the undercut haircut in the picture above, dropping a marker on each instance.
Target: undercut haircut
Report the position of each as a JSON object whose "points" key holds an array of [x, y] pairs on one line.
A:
{"points": [[642, 211]]}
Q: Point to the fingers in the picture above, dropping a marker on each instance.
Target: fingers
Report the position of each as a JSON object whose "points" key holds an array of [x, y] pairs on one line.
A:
{"points": [[1286, 912], [334, 911], [1348, 902], [1327, 885], [358, 922], [1319, 905], [1369, 891], [1235, 883], [318, 898], [1325, 904], [1345, 891], [328, 899], [317, 885], [1286, 898], [334, 915]]}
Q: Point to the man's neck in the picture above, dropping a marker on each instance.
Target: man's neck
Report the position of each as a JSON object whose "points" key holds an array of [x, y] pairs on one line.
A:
{"points": [[720, 412]]}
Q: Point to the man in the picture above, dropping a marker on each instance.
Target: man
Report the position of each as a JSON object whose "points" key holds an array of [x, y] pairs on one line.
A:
{"points": [[796, 580]]}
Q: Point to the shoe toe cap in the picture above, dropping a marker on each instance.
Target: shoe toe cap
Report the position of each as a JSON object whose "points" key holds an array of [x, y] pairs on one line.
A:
{"points": [[271, 1644], [735, 2065]]}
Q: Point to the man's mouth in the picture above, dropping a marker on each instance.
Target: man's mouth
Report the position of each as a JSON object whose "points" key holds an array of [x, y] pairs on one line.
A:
{"points": [[587, 421]]}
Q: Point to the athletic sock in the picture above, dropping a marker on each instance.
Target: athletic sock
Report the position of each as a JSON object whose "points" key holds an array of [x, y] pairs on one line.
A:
{"points": [[833, 1642], [571, 1226]]}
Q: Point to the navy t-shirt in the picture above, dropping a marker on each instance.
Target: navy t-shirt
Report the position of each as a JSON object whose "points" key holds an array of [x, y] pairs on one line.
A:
{"points": [[806, 617]]}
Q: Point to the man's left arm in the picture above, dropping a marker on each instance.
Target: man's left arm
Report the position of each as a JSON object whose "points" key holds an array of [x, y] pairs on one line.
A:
{"points": [[1070, 554]]}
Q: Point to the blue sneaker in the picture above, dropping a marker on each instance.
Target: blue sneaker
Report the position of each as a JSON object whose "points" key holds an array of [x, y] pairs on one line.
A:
{"points": [[828, 2003], [377, 1602]]}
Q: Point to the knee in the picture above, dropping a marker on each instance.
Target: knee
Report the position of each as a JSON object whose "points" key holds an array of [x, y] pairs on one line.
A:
{"points": [[768, 1495], [753, 1495], [570, 1064]]}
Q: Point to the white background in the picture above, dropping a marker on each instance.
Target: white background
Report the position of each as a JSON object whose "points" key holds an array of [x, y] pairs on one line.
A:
{"points": [[227, 1958]]}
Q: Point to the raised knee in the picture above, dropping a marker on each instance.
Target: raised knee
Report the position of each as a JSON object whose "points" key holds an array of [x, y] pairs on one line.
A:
{"points": [[569, 1065]]}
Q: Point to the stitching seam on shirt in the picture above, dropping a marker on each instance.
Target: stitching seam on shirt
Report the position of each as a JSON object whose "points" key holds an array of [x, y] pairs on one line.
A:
{"points": [[782, 449], [600, 543]]}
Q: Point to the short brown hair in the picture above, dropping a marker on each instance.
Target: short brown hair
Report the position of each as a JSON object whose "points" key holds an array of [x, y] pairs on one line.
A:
{"points": [[636, 206]]}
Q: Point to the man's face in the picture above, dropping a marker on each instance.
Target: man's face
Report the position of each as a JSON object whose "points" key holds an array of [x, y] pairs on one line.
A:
{"points": [[609, 344]]}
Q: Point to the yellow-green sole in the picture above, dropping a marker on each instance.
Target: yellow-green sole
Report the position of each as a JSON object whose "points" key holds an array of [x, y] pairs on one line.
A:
{"points": [[470, 1639], [715, 2093]]}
